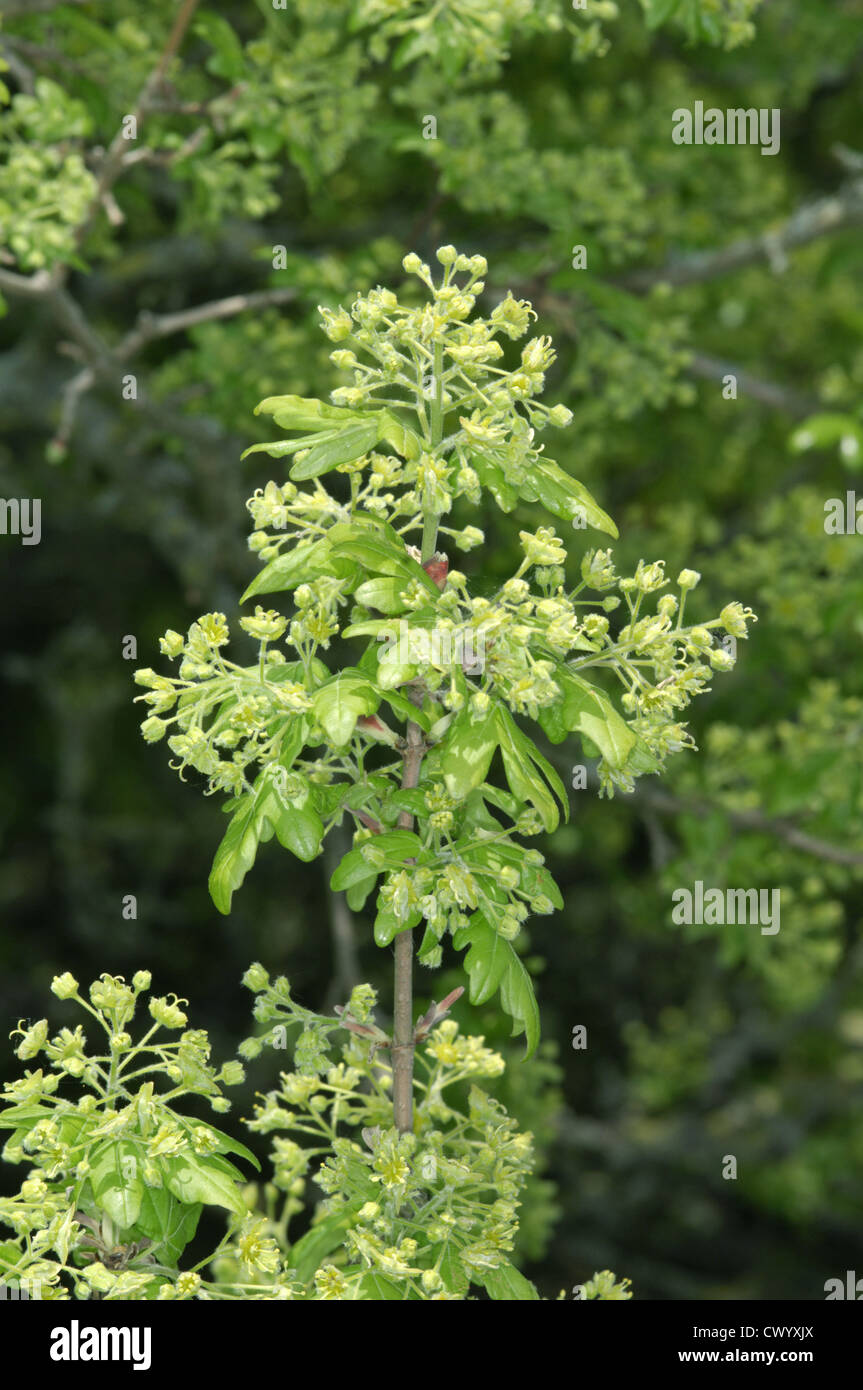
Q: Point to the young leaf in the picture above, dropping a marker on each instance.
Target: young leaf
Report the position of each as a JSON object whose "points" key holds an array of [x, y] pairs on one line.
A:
{"points": [[115, 1176], [280, 448], [391, 431], [236, 854], [387, 925], [350, 444], [296, 566], [467, 750], [587, 710], [352, 869], [193, 1178], [306, 1254], [564, 496], [340, 702], [519, 758], [507, 1283], [383, 593], [493, 477], [300, 413], [492, 964], [300, 830]]}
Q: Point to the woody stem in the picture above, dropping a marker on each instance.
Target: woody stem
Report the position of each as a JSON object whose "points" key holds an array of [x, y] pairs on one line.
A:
{"points": [[403, 1026]]}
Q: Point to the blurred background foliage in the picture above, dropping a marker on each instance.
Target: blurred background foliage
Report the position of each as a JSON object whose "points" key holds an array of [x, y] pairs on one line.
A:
{"points": [[295, 138]]}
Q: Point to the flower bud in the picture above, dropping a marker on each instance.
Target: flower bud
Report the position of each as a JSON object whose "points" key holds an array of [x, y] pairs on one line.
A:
{"points": [[232, 1074], [64, 986], [171, 644], [168, 1014], [687, 579], [256, 977]]}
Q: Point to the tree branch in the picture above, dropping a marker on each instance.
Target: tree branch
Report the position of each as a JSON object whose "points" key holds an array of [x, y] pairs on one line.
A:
{"points": [[753, 820], [824, 217], [112, 162], [403, 1024], [150, 326], [20, 71], [767, 392]]}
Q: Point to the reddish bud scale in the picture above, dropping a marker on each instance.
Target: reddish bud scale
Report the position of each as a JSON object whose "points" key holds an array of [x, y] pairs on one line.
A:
{"points": [[437, 569]]}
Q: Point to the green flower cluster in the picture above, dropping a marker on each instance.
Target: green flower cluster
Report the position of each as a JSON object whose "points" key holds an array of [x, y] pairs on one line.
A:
{"points": [[118, 1177], [424, 1214], [443, 409]]}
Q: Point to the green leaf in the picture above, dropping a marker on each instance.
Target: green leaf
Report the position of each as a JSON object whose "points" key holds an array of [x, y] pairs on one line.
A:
{"points": [[503, 800], [392, 849], [380, 1288], [293, 741], [452, 1270], [353, 869], [563, 496], [300, 830], [393, 673], [23, 1116], [381, 551], [520, 760], [115, 1176], [467, 750], [306, 1254], [487, 960], [826, 430], [154, 1218], [384, 594], [358, 893], [391, 431], [587, 710], [196, 1178], [492, 964], [299, 565], [229, 58], [236, 853], [658, 11], [387, 925], [506, 1283], [492, 477], [280, 448], [350, 444], [408, 799], [405, 707], [167, 1222], [340, 702], [300, 413]]}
